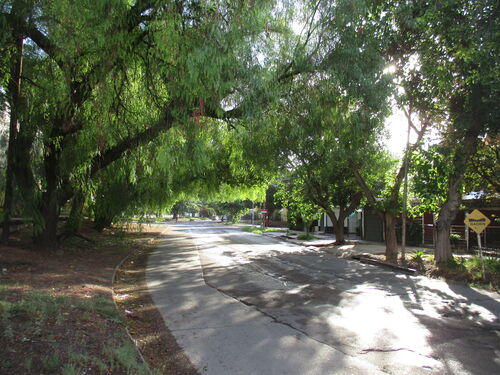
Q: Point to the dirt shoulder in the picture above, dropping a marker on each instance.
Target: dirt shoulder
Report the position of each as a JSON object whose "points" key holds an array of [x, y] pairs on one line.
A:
{"points": [[57, 314], [145, 324]]}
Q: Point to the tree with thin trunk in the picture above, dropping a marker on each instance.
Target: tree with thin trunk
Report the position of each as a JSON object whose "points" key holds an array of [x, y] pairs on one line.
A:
{"points": [[388, 202], [446, 59]]}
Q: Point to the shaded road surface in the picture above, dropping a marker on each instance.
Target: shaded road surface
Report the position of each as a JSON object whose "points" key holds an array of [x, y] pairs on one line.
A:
{"points": [[240, 303]]}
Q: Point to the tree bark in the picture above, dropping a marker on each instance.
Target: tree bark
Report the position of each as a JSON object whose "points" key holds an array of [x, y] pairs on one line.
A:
{"points": [[338, 226], [46, 237], [391, 242], [442, 252], [76, 214], [102, 222]]}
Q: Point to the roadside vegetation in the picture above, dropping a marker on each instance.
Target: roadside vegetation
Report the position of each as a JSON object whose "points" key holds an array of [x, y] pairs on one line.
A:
{"points": [[260, 230], [118, 109], [57, 313], [306, 237], [464, 268]]}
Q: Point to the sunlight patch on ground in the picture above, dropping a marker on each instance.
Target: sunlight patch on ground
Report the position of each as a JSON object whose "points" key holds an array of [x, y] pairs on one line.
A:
{"points": [[390, 327]]}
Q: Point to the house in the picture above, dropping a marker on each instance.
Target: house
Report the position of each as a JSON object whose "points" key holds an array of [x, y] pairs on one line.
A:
{"points": [[420, 230], [352, 224]]}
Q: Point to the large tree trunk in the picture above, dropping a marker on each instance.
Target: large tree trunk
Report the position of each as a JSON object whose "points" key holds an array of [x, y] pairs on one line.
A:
{"points": [[76, 214], [47, 238], [447, 213], [449, 209], [49, 207], [102, 222], [14, 89], [338, 227], [391, 242], [338, 223]]}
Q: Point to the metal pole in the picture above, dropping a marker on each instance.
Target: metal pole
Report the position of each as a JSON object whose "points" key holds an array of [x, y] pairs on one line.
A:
{"points": [[481, 255], [405, 196], [423, 229], [467, 241]]}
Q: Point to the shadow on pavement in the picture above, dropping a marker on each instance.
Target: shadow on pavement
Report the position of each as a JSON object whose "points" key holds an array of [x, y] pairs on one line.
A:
{"points": [[397, 322]]}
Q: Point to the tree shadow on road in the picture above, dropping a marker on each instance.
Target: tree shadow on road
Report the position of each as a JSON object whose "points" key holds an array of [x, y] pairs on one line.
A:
{"points": [[406, 323]]}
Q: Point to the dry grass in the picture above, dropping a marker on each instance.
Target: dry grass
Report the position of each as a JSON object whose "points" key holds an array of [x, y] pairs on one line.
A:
{"points": [[56, 309]]}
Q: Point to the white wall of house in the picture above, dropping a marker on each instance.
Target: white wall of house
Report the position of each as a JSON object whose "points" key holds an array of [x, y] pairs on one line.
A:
{"points": [[352, 223]]}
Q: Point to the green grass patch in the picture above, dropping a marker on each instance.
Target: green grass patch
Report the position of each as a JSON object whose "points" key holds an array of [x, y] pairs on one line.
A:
{"points": [[100, 305], [36, 308], [32, 316], [257, 230], [51, 363], [28, 364], [469, 270], [473, 267], [306, 237], [418, 255], [125, 357]]}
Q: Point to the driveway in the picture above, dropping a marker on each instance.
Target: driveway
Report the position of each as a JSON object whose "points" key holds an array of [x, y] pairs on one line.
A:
{"points": [[241, 303]]}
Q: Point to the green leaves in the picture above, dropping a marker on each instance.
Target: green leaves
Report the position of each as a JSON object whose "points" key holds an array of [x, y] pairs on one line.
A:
{"points": [[430, 170], [290, 194]]}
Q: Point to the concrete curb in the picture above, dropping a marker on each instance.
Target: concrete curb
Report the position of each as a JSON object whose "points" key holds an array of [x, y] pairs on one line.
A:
{"points": [[113, 278], [118, 309], [393, 267]]}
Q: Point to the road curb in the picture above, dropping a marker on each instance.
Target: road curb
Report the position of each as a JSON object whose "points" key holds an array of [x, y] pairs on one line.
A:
{"points": [[393, 267], [113, 297]]}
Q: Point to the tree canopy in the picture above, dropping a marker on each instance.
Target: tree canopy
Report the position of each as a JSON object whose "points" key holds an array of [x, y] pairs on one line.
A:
{"points": [[125, 106]]}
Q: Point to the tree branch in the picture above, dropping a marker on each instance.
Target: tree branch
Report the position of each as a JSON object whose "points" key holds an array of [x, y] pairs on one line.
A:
{"points": [[114, 153], [366, 189]]}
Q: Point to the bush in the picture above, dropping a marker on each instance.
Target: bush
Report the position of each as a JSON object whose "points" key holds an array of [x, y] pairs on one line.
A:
{"points": [[252, 230], [418, 255], [455, 240], [306, 237], [491, 265]]}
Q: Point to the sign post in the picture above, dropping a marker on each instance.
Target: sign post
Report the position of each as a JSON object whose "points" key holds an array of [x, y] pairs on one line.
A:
{"points": [[478, 222], [263, 212]]}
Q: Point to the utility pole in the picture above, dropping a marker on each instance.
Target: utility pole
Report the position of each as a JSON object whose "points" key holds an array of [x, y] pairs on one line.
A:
{"points": [[405, 194]]}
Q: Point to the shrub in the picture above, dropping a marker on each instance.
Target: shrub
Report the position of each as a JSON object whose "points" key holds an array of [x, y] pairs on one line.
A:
{"points": [[455, 239], [306, 237], [418, 255]]}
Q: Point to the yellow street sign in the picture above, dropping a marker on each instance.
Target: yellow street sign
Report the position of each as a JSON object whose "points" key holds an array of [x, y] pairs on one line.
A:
{"points": [[477, 221]]}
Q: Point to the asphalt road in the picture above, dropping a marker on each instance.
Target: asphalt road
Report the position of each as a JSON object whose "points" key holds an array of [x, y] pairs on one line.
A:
{"points": [[241, 303]]}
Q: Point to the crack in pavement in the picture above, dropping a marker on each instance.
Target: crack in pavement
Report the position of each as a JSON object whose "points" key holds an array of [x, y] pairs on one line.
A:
{"points": [[372, 350], [273, 318]]}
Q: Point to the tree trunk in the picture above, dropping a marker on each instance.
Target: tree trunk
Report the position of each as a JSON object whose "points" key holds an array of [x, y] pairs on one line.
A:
{"points": [[102, 222], [338, 227], [76, 215], [447, 213], [449, 209], [14, 89], [391, 242], [443, 253], [307, 226], [47, 239]]}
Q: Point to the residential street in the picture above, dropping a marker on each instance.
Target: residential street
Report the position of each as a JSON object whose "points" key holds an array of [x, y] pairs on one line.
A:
{"points": [[242, 303]]}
